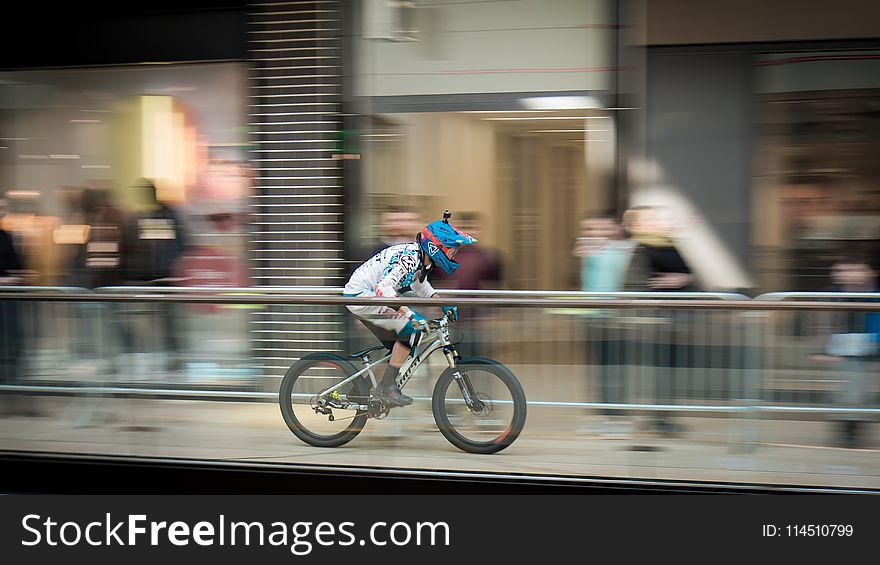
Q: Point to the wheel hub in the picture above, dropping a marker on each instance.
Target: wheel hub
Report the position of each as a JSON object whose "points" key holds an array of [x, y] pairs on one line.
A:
{"points": [[482, 405]]}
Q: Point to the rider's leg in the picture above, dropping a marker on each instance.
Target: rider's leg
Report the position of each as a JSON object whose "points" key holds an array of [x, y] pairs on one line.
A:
{"points": [[388, 387], [393, 333], [399, 353]]}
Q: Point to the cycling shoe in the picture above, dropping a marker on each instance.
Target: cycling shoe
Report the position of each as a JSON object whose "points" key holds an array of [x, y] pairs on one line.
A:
{"points": [[392, 396]]}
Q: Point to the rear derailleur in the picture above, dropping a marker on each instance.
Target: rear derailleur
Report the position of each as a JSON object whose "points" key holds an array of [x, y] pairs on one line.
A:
{"points": [[323, 409], [325, 405]]}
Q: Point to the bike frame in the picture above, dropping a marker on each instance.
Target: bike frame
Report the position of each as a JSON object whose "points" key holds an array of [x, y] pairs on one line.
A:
{"points": [[437, 338]]}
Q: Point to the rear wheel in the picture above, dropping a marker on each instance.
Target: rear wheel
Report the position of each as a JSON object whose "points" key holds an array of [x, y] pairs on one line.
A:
{"points": [[328, 426], [497, 411]]}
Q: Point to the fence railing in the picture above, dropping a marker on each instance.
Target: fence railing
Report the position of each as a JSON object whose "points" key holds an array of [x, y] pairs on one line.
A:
{"points": [[632, 352]]}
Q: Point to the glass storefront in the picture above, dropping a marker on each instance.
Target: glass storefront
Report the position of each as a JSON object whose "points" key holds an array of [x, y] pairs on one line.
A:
{"points": [[134, 176]]}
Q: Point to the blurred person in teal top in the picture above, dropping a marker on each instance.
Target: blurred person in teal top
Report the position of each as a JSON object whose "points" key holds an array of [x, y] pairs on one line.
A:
{"points": [[605, 254]]}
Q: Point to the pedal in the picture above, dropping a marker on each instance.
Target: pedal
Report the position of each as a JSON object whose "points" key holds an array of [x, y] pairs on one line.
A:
{"points": [[378, 409]]}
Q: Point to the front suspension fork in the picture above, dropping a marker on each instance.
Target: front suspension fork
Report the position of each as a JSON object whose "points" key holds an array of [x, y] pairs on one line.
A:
{"points": [[464, 382]]}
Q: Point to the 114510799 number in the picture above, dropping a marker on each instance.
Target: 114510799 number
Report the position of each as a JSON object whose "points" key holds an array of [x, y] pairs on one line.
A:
{"points": [[807, 530]]}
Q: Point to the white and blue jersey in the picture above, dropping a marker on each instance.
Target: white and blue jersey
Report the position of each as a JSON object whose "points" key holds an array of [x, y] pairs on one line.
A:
{"points": [[389, 273]]}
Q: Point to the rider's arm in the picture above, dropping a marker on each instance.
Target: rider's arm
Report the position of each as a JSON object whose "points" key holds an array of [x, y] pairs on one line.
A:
{"points": [[423, 289], [405, 310], [388, 285]]}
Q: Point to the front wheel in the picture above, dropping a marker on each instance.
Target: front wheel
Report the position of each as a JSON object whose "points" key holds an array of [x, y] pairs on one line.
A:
{"points": [[479, 406], [326, 426]]}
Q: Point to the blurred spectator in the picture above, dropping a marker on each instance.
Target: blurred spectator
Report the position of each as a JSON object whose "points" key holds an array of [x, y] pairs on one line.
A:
{"points": [[10, 261], [71, 235], [657, 266], [39, 254], [396, 225], [154, 239], [11, 330], [479, 269], [605, 254], [854, 343], [103, 260]]}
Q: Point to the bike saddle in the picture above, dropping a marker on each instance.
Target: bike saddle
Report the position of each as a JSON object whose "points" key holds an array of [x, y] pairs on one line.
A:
{"points": [[367, 351]]}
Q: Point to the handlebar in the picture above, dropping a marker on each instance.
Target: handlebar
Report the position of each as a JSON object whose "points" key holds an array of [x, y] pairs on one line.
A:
{"points": [[438, 323]]}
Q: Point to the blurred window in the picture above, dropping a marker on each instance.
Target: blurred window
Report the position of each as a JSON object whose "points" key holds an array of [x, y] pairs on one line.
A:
{"points": [[818, 185]]}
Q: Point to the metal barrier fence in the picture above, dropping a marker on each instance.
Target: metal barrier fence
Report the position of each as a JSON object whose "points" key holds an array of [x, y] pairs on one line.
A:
{"points": [[631, 352], [826, 355]]}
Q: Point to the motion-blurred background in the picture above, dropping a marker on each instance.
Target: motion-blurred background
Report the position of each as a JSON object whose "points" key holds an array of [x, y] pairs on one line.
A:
{"points": [[707, 146]]}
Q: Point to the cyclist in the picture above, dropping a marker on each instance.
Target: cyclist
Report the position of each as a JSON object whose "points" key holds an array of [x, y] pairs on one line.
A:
{"points": [[399, 270]]}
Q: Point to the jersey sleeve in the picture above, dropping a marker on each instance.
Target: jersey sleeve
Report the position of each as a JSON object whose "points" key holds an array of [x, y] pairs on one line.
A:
{"points": [[390, 282]]}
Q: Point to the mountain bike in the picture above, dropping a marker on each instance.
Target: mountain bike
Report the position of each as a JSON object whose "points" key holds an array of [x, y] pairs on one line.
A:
{"points": [[326, 401]]}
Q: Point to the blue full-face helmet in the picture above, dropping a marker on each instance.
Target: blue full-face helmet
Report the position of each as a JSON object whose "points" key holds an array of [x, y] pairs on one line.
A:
{"points": [[440, 242]]}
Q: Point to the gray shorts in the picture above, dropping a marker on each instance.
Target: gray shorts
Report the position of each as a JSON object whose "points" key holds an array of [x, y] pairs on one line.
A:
{"points": [[384, 323]]}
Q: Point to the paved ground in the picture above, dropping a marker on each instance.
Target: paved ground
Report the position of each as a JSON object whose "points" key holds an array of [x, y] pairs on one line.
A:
{"points": [[554, 441]]}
